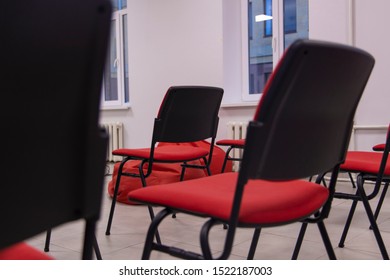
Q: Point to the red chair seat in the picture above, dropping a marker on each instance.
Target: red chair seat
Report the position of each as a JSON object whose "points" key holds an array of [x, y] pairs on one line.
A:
{"points": [[379, 147], [231, 142], [365, 162], [22, 251], [165, 153], [264, 202]]}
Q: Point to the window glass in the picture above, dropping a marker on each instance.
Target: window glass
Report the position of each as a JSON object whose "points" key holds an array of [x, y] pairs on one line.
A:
{"points": [[115, 91], [111, 71], [296, 21], [264, 33], [260, 44], [125, 58], [268, 23], [119, 4], [290, 16]]}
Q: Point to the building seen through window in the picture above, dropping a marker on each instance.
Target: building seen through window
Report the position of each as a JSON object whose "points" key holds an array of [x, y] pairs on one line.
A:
{"points": [[115, 91], [263, 33]]}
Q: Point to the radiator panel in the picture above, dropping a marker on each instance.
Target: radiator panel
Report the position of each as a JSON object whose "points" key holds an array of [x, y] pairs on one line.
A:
{"points": [[115, 132], [236, 130]]}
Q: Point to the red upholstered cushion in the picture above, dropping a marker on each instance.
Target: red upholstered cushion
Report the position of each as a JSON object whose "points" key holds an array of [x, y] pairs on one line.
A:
{"points": [[366, 162], [231, 142], [165, 153], [263, 203], [165, 173], [379, 147], [22, 251]]}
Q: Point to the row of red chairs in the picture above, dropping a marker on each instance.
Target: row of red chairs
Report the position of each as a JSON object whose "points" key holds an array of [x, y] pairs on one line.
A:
{"points": [[280, 148], [311, 95]]}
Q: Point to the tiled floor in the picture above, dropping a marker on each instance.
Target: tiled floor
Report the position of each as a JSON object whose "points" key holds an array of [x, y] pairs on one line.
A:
{"points": [[131, 222]]}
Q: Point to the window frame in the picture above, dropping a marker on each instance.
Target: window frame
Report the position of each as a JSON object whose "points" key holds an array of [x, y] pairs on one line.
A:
{"points": [[120, 103], [277, 43]]}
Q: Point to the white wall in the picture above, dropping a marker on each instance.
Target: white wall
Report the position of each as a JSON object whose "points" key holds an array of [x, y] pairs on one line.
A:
{"points": [[372, 35], [183, 42], [363, 24], [171, 42]]}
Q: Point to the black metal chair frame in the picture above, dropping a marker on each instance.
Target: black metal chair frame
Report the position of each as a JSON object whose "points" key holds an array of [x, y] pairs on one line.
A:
{"points": [[379, 180], [187, 114], [227, 157], [294, 87]]}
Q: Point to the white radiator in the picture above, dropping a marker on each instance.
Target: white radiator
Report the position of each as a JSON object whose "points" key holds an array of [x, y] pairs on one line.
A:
{"points": [[115, 139], [236, 130], [367, 129]]}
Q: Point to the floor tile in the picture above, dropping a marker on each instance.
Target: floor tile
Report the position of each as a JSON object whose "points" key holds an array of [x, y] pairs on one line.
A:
{"points": [[131, 223]]}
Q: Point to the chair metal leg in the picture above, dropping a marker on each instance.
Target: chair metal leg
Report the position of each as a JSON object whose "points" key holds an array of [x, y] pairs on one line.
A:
{"points": [[372, 219], [348, 223], [255, 241], [152, 232], [151, 213], [113, 201], [226, 159], [96, 248], [326, 240], [381, 199], [352, 180], [298, 244], [47, 241], [95, 245], [208, 170], [89, 240], [183, 171]]}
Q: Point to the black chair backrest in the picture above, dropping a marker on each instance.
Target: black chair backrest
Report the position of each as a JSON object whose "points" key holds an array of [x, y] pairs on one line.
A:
{"points": [[188, 114], [304, 120], [52, 55]]}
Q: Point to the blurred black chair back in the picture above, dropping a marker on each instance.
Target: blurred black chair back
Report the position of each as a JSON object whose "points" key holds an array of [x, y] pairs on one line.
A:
{"points": [[52, 58]]}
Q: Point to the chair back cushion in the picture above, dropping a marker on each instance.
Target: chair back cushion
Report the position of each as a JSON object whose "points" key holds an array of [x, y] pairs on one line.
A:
{"points": [[188, 114], [303, 123]]}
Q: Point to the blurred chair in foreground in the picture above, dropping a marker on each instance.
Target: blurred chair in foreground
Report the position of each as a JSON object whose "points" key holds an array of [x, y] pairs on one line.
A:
{"points": [[52, 55]]}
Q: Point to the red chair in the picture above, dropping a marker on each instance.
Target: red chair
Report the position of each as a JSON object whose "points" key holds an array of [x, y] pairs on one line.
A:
{"points": [[52, 59], [231, 144], [187, 114], [368, 167], [23, 251], [379, 147], [312, 93]]}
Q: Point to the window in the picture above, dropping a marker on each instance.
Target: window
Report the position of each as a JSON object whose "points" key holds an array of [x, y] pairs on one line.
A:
{"points": [[269, 27], [268, 23], [115, 90], [290, 16]]}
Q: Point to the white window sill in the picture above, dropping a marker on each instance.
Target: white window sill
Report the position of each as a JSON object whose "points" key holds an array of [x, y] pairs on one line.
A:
{"points": [[243, 104], [116, 107]]}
